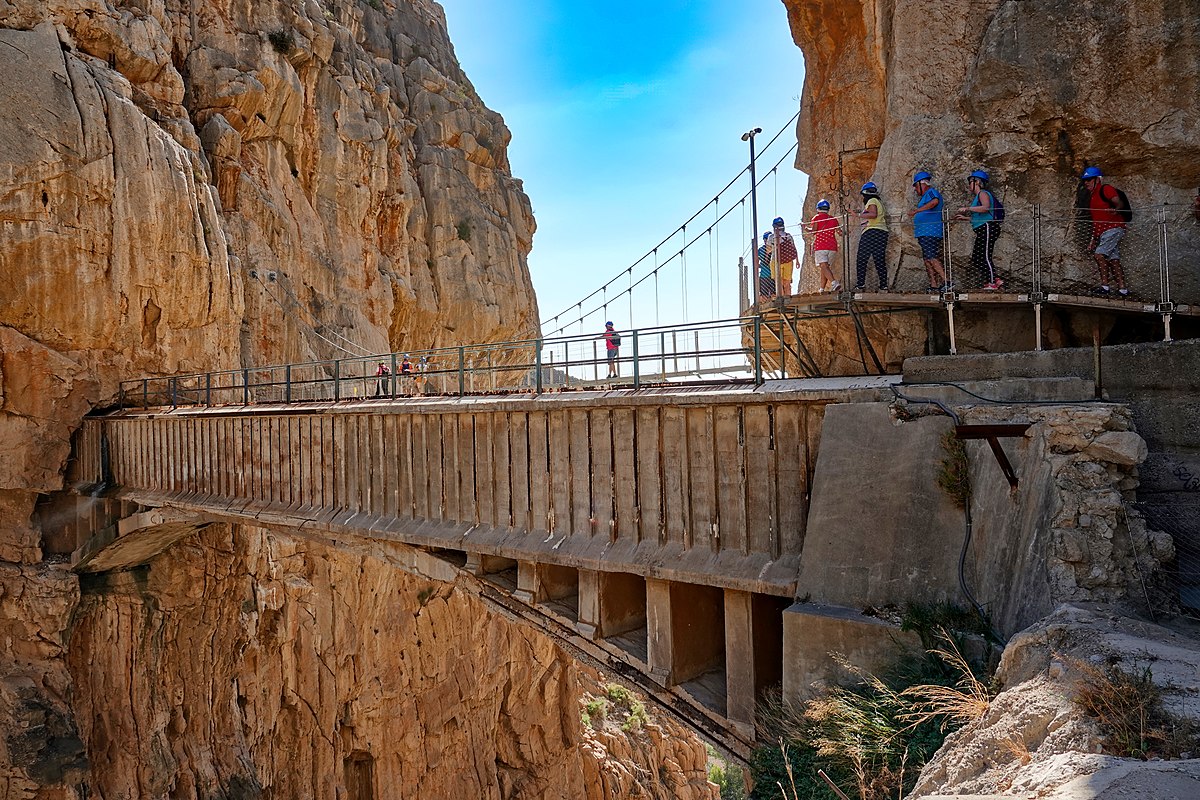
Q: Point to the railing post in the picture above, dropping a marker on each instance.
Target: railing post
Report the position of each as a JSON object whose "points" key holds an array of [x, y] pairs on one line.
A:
{"points": [[395, 378], [462, 375], [337, 379], [174, 384], [537, 366], [742, 296], [758, 379], [245, 387], [287, 384], [145, 393], [636, 371], [208, 388]]}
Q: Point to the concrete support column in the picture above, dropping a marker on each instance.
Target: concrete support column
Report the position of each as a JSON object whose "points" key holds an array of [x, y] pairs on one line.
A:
{"points": [[610, 603], [529, 583], [482, 564], [537, 583], [740, 679], [660, 656]]}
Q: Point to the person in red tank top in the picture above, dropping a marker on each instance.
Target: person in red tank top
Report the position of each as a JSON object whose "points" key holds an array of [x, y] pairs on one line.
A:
{"points": [[824, 229], [1108, 228]]}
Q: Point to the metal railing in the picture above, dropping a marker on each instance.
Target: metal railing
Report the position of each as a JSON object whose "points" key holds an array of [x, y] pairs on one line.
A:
{"points": [[1038, 251], [728, 350]]}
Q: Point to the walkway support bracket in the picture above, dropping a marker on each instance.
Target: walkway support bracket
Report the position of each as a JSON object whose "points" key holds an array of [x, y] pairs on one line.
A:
{"points": [[991, 434]]}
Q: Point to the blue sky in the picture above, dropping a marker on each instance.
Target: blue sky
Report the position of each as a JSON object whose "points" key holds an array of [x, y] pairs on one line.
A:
{"points": [[626, 119]]}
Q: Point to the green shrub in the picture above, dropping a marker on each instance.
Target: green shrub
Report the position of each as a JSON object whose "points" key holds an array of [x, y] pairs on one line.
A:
{"points": [[953, 475], [282, 40], [464, 230], [621, 697], [636, 717], [596, 709], [375, 4]]}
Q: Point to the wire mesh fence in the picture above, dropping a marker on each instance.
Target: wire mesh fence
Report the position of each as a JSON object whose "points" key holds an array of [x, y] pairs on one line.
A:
{"points": [[1034, 251], [1179, 518]]}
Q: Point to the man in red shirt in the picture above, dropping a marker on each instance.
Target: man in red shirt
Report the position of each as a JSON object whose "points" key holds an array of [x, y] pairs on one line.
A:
{"points": [[612, 344], [1108, 228], [824, 229]]}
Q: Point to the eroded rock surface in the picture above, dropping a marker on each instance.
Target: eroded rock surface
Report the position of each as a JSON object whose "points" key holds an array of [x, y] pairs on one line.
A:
{"points": [[261, 663]]}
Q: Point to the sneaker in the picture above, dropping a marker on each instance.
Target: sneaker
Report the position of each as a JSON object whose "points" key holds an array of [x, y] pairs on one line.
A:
{"points": [[1102, 290], [835, 286], [1123, 292], [990, 287], [860, 288]]}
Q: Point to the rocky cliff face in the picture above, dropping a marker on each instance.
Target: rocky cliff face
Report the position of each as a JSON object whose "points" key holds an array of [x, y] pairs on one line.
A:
{"points": [[255, 664], [1030, 91], [222, 183]]}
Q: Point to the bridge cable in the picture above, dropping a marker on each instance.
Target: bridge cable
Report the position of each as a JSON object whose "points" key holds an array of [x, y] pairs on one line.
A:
{"points": [[579, 305], [742, 171]]}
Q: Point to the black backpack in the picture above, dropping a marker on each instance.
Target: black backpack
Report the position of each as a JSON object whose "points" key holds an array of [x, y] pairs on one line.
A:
{"points": [[1124, 210], [616, 339]]}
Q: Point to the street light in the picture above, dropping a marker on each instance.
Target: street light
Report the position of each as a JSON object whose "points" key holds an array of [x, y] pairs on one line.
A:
{"points": [[748, 136]]}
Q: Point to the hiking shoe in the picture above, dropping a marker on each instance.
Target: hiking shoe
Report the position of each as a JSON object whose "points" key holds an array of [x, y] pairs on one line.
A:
{"points": [[1102, 290], [1123, 292], [835, 286], [860, 288]]}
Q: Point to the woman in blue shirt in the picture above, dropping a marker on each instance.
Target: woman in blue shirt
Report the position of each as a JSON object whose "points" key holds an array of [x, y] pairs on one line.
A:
{"points": [[986, 229]]}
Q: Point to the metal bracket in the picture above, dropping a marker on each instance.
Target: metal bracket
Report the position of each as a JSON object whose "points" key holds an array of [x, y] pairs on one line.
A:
{"points": [[992, 433]]}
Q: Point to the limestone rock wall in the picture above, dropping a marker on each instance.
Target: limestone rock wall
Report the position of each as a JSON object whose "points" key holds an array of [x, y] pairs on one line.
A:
{"points": [[251, 664], [1031, 91]]}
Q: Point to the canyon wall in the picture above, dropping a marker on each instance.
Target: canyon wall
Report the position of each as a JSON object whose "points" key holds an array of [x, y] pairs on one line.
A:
{"points": [[247, 663], [216, 184], [1030, 91]]}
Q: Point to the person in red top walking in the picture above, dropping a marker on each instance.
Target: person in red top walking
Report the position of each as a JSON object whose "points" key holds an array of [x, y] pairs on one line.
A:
{"points": [[612, 343], [824, 229], [1108, 228]]}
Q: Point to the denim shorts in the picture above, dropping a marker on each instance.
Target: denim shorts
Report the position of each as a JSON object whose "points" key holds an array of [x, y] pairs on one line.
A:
{"points": [[1109, 245], [931, 247]]}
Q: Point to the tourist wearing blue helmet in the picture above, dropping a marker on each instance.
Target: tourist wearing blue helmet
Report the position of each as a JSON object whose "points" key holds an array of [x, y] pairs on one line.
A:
{"points": [[982, 214], [766, 284], [824, 229], [872, 243], [930, 230], [783, 256], [1108, 208]]}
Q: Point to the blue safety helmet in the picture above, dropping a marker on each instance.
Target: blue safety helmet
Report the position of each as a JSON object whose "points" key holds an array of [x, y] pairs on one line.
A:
{"points": [[777, 222], [980, 174], [869, 188], [823, 205], [608, 324], [1091, 172], [921, 176], [766, 236]]}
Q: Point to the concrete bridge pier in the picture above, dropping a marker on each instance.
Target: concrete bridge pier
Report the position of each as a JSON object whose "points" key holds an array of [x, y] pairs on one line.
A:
{"points": [[611, 604]]}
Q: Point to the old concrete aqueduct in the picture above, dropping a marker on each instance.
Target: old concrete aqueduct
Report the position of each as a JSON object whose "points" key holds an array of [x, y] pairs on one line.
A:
{"points": [[223, 579]]}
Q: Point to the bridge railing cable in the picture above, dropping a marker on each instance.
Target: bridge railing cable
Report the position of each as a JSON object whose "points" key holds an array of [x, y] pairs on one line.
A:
{"points": [[555, 324]]}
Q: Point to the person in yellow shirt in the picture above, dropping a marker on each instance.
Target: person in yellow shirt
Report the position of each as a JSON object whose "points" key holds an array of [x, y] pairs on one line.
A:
{"points": [[872, 243]]}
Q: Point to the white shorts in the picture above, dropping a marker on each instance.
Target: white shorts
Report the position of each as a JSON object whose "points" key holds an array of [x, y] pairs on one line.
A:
{"points": [[825, 256]]}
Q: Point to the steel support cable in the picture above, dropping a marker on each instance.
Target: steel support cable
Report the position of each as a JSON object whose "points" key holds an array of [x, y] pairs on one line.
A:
{"points": [[660, 266], [296, 302], [306, 324], [732, 181]]}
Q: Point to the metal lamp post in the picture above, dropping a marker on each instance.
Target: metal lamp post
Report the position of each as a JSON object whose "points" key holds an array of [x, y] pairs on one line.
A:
{"points": [[748, 136]]}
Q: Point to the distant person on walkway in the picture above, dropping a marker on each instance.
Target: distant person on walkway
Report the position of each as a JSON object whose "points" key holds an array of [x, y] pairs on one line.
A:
{"points": [[824, 229], [872, 243], [766, 284], [1196, 206], [982, 214], [406, 373], [381, 384], [1109, 211], [930, 230], [783, 256], [612, 343]]}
